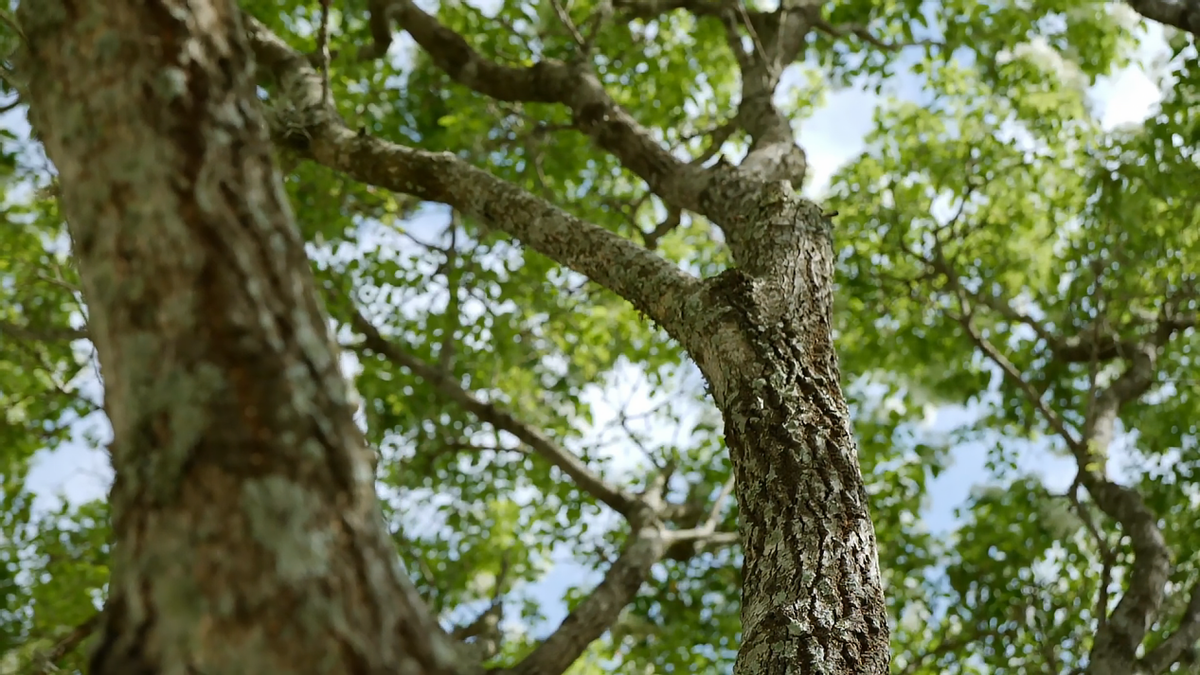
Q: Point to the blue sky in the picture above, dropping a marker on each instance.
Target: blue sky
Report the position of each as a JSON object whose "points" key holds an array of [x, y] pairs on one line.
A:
{"points": [[832, 136]]}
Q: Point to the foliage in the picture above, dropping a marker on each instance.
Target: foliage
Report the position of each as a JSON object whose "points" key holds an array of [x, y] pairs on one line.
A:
{"points": [[990, 202]]}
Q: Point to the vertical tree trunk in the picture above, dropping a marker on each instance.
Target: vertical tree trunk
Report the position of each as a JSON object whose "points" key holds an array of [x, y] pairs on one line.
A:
{"points": [[812, 599], [248, 537]]}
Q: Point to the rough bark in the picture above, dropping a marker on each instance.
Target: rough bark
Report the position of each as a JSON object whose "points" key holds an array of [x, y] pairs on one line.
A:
{"points": [[247, 535], [1181, 14], [812, 600], [761, 333], [234, 445]]}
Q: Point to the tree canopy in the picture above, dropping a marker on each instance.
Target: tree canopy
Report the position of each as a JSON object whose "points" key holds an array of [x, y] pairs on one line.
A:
{"points": [[1016, 281]]}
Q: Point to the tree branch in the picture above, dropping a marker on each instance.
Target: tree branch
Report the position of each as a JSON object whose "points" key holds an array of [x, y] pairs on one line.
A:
{"points": [[573, 85], [651, 9], [650, 239], [1182, 14], [778, 38], [720, 193], [600, 610], [861, 32], [45, 662], [686, 544], [41, 335], [1087, 346], [685, 547], [1107, 345], [625, 577], [1170, 650], [1117, 640], [589, 481], [1010, 371], [653, 285], [485, 629], [1107, 556]]}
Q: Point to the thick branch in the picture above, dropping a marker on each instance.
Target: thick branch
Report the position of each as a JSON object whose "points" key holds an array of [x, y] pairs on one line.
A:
{"points": [[777, 40], [41, 335], [1182, 14], [721, 193], [1117, 640], [652, 284], [46, 662], [1133, 382], [600, 610], [1168, 652], [589, 481], [573, 85]]}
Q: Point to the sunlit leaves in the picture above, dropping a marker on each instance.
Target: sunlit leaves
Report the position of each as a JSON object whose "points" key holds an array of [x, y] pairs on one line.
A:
{"points": [[972, 225]]}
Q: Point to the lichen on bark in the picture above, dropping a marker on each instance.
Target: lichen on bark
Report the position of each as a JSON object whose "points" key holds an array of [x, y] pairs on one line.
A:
{"points": [[812, 600], [235, 449], [247, 535]]}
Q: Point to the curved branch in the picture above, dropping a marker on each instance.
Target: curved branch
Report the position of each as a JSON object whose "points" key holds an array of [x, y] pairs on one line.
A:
{"points": [[1182, 14], [600, 610], [721, 193], [47, 661], [1172, 649], [1011, 371], [573, 85], [1117, 640], [589, 481], [653, 285]]}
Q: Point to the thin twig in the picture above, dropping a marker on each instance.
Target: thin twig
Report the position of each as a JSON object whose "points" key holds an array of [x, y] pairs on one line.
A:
{"points": [[323, 51], [45, 662], [1107, 556], [861, 32], [1056, 421], [565, 18]]}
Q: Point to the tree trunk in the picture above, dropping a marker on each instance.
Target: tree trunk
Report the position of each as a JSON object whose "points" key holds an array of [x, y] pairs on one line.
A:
{"points": [[761, 333], [812, 600], [247, 534], [235, 451]]}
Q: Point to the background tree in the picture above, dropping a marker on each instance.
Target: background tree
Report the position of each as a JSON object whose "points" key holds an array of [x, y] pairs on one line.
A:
{"points": [[999, 249]]}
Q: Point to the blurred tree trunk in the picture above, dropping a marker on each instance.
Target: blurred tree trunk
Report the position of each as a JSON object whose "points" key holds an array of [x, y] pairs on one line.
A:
{"points": [[248, 538]]}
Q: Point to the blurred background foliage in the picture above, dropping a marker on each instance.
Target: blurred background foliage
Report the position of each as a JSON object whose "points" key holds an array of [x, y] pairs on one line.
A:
{"points": [[988, 174]]}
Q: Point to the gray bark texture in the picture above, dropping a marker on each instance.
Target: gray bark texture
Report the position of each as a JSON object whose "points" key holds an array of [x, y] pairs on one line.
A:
{"points": [[248, 538], [247, 534]]}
